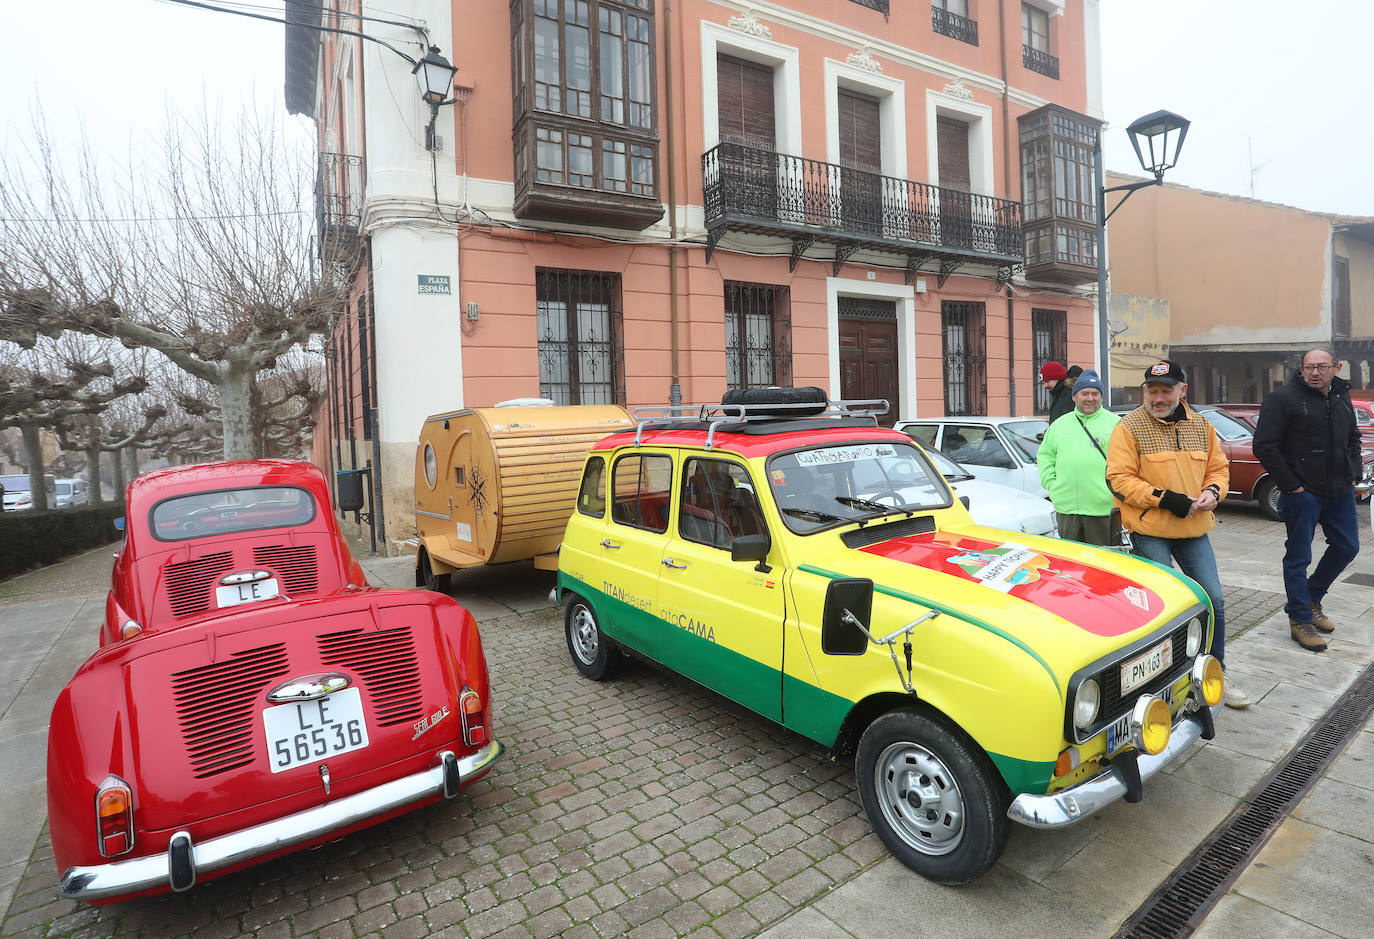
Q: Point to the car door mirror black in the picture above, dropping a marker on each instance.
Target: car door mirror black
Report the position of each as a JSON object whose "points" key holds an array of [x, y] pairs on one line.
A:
{"points": [[964, 500], [750, 548], [848, 609]]}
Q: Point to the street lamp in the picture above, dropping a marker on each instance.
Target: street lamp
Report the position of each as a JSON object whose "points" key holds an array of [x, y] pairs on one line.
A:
{"points": [[435, 76], [1157, 139]]}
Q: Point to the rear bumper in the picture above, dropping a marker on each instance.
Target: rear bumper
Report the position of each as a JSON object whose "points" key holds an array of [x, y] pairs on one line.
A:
{"points": [[179, 866], [1071, 805]]}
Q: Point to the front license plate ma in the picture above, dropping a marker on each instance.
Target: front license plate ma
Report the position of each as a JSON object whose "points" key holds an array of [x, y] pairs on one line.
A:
{"points": [[307, 731], [234, 594], [1141, 669]]}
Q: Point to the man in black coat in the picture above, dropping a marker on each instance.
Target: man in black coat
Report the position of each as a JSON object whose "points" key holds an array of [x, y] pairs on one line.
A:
{"points": [[1056, 378], [1308, 441]]}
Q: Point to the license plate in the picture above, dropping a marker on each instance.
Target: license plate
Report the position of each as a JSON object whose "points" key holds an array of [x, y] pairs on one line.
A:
{"points": [[1141, 669], [1118, 734], [234, 594], [307, 731]]}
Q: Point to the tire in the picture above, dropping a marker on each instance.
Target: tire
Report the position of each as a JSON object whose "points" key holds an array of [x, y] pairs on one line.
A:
{"points": [[932, 796], [590, 649], [1267, 495], [424, 571]]}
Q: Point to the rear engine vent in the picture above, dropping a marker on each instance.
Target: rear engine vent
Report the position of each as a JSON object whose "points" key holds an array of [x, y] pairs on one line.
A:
{"points": [[295, 566], [189, 582], [386, 661], [216, 706]]}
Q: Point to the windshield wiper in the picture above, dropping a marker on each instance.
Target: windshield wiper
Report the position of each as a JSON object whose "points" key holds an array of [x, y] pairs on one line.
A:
{"points": [[866, 504], [811, 515]]}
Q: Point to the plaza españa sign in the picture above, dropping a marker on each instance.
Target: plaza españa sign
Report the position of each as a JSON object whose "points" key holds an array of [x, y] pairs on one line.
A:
{"points": [[434, 283]]}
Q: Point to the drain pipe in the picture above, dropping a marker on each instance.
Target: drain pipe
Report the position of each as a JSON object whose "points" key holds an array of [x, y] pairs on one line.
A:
{"points": [[675, 387], [1006, 187]]}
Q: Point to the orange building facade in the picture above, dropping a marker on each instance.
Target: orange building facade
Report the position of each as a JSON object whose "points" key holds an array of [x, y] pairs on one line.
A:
{"points": [[642, 203]]}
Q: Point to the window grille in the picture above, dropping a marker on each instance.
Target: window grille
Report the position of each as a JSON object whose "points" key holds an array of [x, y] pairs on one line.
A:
{"points": [[581, 346], [758, 335], [1049, 343], [964, 331]]}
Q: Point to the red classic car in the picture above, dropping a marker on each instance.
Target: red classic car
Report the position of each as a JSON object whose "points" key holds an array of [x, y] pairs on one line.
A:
{"points": [[252, 695]]}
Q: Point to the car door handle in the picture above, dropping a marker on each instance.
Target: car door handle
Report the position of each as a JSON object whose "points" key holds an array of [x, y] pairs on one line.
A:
{"points": [[608, 543], [669, 562]]}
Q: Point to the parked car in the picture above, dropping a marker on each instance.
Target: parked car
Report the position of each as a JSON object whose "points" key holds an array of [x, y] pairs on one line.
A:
{"points": [[1248, 414], [1250, 482], [997, 449], [995, 505], [816, 569], [252, 695], [72, 492], [19, 496]]}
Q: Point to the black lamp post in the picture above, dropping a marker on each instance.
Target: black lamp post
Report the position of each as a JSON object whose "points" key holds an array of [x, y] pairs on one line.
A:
{"points": [[1157, 139], [435, 76]]}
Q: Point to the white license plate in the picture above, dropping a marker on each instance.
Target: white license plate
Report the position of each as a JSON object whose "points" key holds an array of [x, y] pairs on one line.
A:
{"points": [[307, 731], [1142, 668], [1118, 734], [234, 594]]}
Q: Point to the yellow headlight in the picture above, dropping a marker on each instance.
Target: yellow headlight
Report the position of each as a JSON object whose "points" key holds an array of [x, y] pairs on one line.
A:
{"points": [[1208, 680], [1151, 724]]}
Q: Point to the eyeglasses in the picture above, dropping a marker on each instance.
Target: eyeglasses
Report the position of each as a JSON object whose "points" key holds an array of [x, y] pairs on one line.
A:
{"points": [[1317, 368]]}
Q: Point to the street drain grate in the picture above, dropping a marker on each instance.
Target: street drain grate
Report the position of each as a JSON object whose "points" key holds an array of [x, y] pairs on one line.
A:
{"points": [[1178, 905]]}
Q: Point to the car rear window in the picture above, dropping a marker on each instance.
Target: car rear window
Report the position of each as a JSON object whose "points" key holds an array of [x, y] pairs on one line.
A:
{"points": [[226, 511]]}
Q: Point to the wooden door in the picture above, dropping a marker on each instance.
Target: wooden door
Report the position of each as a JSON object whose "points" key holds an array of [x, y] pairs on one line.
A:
{"points": [[748, 136], [956, 208], [861, 157], [868, 353]]}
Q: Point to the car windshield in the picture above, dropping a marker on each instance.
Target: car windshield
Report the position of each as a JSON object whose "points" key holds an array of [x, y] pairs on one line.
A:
{"points": [[1025, 436], [64, 489], [853, 482], [231, 510], [947, 467], [15, 483], [1227, 427]]}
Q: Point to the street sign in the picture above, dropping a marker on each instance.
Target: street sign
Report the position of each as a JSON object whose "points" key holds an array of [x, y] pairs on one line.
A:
{"points": [[434, 283]]}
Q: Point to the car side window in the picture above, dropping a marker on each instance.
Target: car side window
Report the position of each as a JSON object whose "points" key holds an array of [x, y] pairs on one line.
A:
{"points": [[977, 446], [924, 434], [641, 487], [718, 503], [591, 496]]}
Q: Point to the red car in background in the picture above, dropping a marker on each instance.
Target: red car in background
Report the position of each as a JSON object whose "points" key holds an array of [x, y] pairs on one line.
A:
{"points": [[252, 695], [1248, 414]]}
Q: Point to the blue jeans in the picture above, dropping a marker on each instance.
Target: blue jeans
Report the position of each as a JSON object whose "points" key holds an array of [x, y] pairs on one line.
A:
{"points": [[1195, 558], [1301, 512]]}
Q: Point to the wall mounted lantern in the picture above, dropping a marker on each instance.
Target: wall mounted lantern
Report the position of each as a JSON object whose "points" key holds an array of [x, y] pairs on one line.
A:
{"points": [[435, 77]]}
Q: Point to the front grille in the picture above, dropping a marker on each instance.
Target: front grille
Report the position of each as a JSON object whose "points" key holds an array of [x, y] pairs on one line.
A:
{"points": [[216, 706], [294, 565], [188, 582], [1113, 705], [387, 663]]}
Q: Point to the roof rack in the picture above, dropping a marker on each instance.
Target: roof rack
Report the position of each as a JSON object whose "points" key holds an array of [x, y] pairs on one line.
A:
{"points": [[718, 415]]}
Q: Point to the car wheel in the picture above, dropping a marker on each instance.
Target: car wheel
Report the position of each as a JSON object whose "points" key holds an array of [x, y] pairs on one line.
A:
{"points": [[439, 583], [932, 796], [1267, 495], [590, 649]]}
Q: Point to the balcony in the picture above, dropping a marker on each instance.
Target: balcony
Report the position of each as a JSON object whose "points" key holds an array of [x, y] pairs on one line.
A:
{"points": [[749, 189], [879, 5], [338, 207], [1041, 62], [954, 26]]}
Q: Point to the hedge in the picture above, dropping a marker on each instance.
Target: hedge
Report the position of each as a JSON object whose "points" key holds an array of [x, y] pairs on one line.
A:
{"points": [[31, 539]]}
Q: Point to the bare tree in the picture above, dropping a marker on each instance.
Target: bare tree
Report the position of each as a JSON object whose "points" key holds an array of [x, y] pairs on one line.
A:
{"points": [[206, 260]]}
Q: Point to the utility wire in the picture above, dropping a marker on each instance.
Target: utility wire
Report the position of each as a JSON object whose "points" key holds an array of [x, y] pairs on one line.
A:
{"points": [[314, 26]]}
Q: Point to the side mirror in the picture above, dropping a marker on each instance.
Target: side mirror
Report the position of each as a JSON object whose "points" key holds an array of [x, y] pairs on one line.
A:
{"points": [[119, 523], [964, 500], [840, 635], [750, 548]]}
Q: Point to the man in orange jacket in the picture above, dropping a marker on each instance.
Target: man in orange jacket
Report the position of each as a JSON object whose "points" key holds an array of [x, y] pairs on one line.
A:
{"points": [[1168, 473]]}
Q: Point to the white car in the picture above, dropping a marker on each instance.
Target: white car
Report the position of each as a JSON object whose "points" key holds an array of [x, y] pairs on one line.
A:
{"points": [[17, 494], [996, 449], [995, 505], [72, 492]]}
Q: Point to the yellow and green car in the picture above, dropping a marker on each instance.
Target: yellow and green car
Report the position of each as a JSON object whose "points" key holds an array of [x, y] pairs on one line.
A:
{"points": [[792, 555]]}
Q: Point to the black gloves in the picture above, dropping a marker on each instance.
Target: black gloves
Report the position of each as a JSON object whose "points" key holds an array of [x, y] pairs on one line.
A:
{"points": [[1176, 502]]}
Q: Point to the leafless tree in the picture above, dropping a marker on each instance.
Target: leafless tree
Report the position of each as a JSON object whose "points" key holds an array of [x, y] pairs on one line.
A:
{"points": [[205, 259]]}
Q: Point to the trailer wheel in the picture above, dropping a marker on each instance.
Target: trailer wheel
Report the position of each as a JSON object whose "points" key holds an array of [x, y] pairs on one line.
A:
{"points": [[426, 577]]}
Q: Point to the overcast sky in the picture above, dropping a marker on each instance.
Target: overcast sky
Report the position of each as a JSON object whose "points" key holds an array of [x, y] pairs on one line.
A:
{"points": [[1295, 76]]}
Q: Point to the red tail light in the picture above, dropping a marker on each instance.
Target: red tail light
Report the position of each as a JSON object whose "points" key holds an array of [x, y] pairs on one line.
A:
{"points": [[470, 708], [114, 817]]}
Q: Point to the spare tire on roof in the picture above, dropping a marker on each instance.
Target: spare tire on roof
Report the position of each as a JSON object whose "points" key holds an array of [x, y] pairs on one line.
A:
{"points": [[758, 401]]}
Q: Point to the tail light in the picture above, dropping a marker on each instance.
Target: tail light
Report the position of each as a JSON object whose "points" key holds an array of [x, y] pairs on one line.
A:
{"points": [[114, 816], [470, 708]]}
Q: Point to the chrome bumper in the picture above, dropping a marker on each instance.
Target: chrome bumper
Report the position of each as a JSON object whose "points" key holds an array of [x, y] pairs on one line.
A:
{"points": [[1068, 806], [159, 870]]}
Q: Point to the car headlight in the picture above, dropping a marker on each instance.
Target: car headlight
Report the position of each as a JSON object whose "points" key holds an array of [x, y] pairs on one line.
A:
{"points": [[1194, 636], [1085, 703], [1209, 682]]}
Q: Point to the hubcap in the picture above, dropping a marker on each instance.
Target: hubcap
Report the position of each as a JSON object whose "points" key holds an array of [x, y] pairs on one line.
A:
{"points": [[919, 798], [583, 634]]}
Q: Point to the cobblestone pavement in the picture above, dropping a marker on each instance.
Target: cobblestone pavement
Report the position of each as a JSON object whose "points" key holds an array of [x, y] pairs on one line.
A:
{"points": [[644, 805]]}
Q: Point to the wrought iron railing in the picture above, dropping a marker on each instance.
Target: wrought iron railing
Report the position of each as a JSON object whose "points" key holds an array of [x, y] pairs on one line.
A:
{"points": [[747, 184], [1041, 62], [879, 5], [338, 203], [953, 25]]}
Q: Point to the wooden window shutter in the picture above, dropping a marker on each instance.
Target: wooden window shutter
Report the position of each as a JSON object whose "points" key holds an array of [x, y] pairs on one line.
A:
{"points": [[860, 132], [744, 95], [953, 153]]}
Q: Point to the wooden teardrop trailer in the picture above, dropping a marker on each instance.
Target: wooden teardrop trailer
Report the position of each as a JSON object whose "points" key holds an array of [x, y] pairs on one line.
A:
{"points": [[498, 484]]}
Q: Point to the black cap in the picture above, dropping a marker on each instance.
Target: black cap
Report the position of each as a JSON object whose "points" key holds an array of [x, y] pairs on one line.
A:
{"points": [[1165, 372]]}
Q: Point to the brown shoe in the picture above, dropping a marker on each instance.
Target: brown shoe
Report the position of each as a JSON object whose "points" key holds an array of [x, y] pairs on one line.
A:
{"points": [[1321, 621], [1305, 636]]}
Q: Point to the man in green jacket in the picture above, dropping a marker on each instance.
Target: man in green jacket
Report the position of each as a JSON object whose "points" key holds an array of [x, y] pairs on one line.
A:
{"points": [[1073, 465]]}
